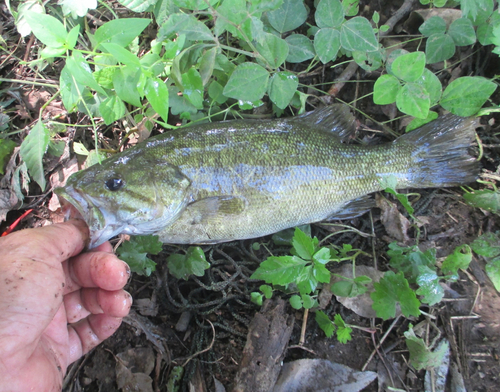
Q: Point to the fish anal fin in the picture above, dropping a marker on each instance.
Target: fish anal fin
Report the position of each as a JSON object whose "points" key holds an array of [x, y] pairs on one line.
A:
{"points": [[354, 208]]}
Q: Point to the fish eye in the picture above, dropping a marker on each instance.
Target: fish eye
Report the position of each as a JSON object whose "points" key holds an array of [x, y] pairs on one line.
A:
{"points": [[114, 184]]}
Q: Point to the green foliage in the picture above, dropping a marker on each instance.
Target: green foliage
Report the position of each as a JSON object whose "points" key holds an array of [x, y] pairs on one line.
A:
{"points": [[135, 251], [421, 356], [487, 199], [488, 246], [459, 259], [6, 148], [466, 95], [338, 325], [193, 262], [389, 184], [32, 150]]}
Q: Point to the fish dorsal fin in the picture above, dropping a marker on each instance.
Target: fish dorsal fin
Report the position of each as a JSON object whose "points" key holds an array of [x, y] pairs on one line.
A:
{"points": [[335, 119]]}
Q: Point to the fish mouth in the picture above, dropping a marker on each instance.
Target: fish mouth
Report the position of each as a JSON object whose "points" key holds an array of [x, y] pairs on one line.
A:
{"points": [[102, 224]]}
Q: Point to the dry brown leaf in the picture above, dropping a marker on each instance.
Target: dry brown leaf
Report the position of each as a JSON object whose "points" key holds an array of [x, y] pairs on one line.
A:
{"points": [[394, 222]]}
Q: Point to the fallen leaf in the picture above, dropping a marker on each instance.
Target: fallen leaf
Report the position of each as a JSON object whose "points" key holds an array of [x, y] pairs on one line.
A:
{"points": [[8, 201], [394, 222]]}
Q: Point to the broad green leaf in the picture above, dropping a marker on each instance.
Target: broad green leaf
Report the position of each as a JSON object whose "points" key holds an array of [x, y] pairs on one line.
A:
{"points": [[50, 51], [462, 32], [344, 288], [343, 331], [485, 32], [193, 87], [157, 95], [391, 289], [429, 286], [273, 49], [72, 37], [466, 95], [418, 122], [256, 298], [432, 85], [409, 260], [327, 44], [47, 29], [207, 64], [290, 15], [256, 6], [112, 109], [33, 149], [194, 4], [137, 5], [78, 67], [459, 259], [279, 270], [322, 256], [284, 237], [369, 61], [385, 90], [193, 262], [439, 47], [357, 34], [231, 13], [77, 8], [26, 6], [248, 82], [433, 25], [303, 245], [267, 290], [320, 272], [6, 148], [421, 356], [414, 100], [185, 24], [178, 102], [282, 87], [135, 251], [215, 92], [325, 323], [329, 13], [482, 10], [307, 301], [104, 77], [122, 55], [71, 90], [125, 81], [56, 147], [409, 67], [493, 271], [487, 199], [351, 8], [300, 48], [296, 302], [487, 245], [120, 31]]}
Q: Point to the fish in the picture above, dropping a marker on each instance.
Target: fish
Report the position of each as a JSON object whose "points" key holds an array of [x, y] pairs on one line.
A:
{"points": [[241, 179]]}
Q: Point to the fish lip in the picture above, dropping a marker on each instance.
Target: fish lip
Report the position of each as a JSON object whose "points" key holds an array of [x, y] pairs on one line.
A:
{"points": [[102, 225]]}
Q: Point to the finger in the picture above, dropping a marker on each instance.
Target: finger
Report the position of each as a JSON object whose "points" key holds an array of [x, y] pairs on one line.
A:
{"points": [[105, 247], [96, 269], [90, 332], [81, 303]]}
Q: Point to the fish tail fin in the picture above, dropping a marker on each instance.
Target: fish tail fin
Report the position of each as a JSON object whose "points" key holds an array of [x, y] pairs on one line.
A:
{"points": [[442, 152]]}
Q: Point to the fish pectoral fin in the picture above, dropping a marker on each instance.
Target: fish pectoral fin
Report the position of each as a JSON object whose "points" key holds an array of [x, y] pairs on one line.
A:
{"points": [[354, 208], [217, 205]]}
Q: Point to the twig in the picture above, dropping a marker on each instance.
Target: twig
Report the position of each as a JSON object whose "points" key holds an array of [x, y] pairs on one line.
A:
{"points": [[380, 344], [205, 350], [303, 329]]}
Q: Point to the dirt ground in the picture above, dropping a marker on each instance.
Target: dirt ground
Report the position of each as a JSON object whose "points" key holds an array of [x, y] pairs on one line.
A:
{"points": [[201, 325]]}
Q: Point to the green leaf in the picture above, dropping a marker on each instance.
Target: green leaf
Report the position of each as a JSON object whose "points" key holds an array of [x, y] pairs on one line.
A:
{"points": [[344, 288], [307, 301], [430, 289], [215, 91], [6, 148], [273, 49], [185, 24], [369, 61], [207, 64], [248, 82], [357, 34], [391, 289], [49, 52], [77, 8], [125, 81], [79, 69], [47, 29], [431, 84], [296, 302], [284, 237], [306, 280], [418, 122], [466, 95], [493, 272], [56, 147], [482, 10], [414, 100], [421, 356], [433, 25], [120, 31], [33, 149], [439, 47], [290, 15], [256, 298], [137, 5], [72, 37], [487, 199], [282, 87], [300, 48], [193, 4], [279, 270], [71, 90], [325, 323], [327, 44], [343, 331], [122, 55], [303, 244], [409, 67], [487, 245], [135, 251], [322, 256], [192, 87], [267, 290], [157, 95], [459, 259], [351, 8], [104, 77], [409, 260], [192, 263], [112, 109], [386, 89], [26, 6], [329, 13], [462, 32]]}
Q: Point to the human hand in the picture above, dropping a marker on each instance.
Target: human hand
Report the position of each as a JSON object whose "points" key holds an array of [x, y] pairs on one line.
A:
{"points": [[56, 303]]}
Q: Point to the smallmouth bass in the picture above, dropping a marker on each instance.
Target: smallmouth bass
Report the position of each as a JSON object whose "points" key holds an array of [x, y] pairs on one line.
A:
{"points": [[241, 179]]}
